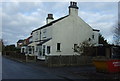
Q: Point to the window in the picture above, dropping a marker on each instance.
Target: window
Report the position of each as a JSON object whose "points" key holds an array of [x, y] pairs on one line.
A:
{"points": [[93, 36], [44, 37], [40, 35], [89, 39], [23, 50], [36, 49], [30, 50], [33, 49], [58, 46], [44, 31], [36, 32], [75, 47], [48, 49]]}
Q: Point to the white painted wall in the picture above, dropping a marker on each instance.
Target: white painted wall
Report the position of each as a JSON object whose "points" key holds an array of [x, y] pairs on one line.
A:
{"points": [[46, 33], [49, 20], [73, 11], [69, 31], [96, 37], [37, 36]]}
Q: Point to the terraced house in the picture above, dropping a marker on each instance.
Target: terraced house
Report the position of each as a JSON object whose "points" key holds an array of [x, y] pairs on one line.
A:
{"points": [[59, 37]]}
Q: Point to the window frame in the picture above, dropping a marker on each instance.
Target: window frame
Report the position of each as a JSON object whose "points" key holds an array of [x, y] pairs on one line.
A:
{"points": [[75, 47], [58, 47], [48, 49]]}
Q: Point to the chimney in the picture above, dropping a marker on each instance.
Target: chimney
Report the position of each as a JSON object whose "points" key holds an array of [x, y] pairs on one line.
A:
{"points": [[73, 9], [49, 18]]}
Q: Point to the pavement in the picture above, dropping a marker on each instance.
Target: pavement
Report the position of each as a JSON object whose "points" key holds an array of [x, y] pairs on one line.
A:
{"points": [[36, 70]]}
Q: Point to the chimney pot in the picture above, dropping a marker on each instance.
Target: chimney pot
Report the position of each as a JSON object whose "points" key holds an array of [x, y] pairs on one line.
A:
{"points": [[73, 5], [73, 9], [50, 16]]}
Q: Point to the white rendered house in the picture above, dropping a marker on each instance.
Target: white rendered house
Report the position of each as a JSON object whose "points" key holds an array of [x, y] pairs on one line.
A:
{"points": [[58, 37]]}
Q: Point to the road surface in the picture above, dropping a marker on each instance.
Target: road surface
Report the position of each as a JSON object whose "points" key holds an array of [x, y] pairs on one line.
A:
{"points": [[18, 70]]}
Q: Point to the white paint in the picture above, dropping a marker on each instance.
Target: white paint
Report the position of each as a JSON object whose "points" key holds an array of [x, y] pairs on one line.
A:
{"points": [[73, 11], [49, 20], [116, 64], [23, 49], [68, 31]]}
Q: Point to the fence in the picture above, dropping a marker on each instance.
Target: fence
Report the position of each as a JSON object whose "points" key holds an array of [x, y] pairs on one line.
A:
{"points": [[72, 60], [19, 57]]}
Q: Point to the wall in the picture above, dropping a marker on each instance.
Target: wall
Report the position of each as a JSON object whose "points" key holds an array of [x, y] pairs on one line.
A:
{"points": [[69, 31], [38, 35], [96, 37], [46, 32]]}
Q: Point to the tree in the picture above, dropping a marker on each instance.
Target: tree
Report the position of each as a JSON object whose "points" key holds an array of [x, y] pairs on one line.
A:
{"points": [[117, 35], [102, 40], [84, 48]]}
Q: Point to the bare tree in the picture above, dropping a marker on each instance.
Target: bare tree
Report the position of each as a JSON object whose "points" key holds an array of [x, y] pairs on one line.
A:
{"points": [[117, 35], [117, 29]]}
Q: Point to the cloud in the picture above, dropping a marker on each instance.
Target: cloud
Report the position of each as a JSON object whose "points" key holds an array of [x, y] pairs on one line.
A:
{"points": [[102, 16], [20, 18], [18, 24], [119, 11]]}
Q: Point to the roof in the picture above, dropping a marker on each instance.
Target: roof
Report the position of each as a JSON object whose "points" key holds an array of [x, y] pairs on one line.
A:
{"points": [[44, 41], [29, 37], [20, 41], [49, 24]]}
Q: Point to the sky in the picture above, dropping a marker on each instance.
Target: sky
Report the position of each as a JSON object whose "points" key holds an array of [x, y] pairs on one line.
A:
{"points": [[20, 18]]}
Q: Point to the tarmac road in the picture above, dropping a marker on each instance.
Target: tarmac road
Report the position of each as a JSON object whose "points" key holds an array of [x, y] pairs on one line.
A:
{"points": [[18, 70]]}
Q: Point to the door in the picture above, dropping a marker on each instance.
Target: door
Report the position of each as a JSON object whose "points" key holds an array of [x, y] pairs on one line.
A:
{"points": [[43, 50]]}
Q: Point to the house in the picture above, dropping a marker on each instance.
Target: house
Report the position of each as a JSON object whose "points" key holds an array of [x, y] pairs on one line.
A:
{"points": [[24, 47], [59, 37], [20, 43]]}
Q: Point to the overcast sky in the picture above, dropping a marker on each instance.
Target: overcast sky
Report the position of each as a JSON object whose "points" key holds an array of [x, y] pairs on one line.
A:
{"points": [[20, 18]]}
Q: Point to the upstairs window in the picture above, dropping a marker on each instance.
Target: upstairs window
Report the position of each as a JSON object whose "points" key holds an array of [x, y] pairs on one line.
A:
{"points": [[44, 31], [93, 36], [36, 32]]}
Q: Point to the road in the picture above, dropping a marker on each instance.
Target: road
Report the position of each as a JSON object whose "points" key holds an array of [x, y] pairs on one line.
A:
{"points": [[18, 70]]}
